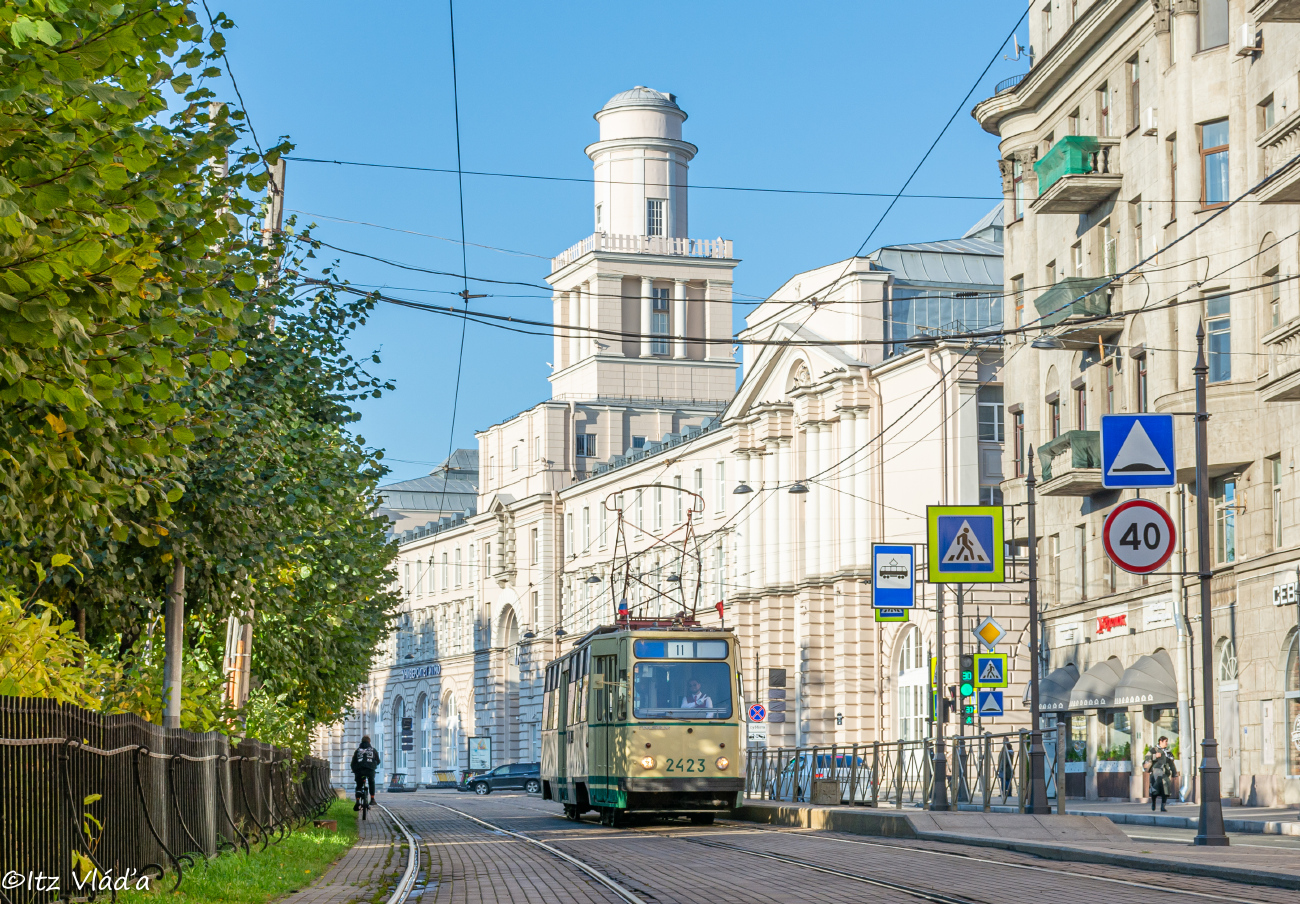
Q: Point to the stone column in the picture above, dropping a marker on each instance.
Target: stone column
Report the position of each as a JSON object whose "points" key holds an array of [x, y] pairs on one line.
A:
{"points": [[1092, 721], [585, 342], [812, 508], [785, 549], [679, 318], [717, 319], [754, 521], [848, 426], [558, 313], [862, 490], [575, 322], [771, 516], [826, 532], [646, 316]]}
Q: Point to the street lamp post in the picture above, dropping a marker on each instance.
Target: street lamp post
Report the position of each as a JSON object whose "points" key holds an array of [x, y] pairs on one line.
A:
{"points": [[1037, 799], [1209, 828], [939, 792]]}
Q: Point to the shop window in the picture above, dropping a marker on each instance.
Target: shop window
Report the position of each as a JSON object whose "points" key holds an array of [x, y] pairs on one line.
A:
{"points": [[1291, 729], [1117, 738]]}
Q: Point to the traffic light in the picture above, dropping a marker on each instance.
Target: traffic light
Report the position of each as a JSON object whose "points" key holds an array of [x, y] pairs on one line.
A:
{"points": [[968, 688]]}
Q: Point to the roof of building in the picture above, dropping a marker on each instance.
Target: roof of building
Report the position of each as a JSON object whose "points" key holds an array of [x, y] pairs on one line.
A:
{"points": [[974, 262], [450, 487], [641, 96], [991, 220]]}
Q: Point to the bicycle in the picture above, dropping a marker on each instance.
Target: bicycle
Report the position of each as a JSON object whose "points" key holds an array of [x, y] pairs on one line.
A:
{"points": [[363, 796]]}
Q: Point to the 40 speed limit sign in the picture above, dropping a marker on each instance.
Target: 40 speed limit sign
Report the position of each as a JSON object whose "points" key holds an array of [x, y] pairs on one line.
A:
{"points": [[1139, 536]]}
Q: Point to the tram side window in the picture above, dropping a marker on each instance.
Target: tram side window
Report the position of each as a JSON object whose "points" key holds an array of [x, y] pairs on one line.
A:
{"points": [[682, 690], [606, 690], [549, 704], [578, 693]]}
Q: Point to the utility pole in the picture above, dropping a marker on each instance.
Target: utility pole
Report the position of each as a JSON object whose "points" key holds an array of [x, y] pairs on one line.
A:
{"points": [[174, 644], [1209, 827], [1037, 800], [939, 794]]}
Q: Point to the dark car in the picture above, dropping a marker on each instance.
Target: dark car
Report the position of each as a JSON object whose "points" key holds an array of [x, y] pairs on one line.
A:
{"points": [[512, 777]]}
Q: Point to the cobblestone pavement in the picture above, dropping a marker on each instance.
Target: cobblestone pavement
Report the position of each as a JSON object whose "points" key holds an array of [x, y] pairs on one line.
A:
{"points": [[375, 862], [666, 863]]}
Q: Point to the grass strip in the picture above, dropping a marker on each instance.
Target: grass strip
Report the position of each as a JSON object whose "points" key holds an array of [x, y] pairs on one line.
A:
{"points": [[262, 876]]}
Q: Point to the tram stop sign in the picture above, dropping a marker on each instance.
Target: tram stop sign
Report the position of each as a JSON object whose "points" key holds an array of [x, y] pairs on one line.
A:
{"points": [[1139, 536]]}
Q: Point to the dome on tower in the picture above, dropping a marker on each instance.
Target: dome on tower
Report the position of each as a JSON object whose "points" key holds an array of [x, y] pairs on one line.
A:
{"points": [[641, 96]]}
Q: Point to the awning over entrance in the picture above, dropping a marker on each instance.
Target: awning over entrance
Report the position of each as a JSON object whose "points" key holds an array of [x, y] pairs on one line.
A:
{"points": [[1054, 689], [1148, 682], [1096, 688]]}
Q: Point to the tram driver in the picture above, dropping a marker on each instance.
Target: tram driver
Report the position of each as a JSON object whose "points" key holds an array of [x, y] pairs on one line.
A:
{"points": [[695, 697]]}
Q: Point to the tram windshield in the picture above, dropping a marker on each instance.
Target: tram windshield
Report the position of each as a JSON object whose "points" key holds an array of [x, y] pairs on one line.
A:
{"points": [[682, 690]]}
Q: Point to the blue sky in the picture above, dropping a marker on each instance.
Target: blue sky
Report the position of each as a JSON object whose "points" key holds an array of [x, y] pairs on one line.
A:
{"points": [[842, 97]]}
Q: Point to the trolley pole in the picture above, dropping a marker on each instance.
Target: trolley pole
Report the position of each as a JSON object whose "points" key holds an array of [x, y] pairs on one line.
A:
{"points": [[939, 792], [1209, 827], [1037, 798]]}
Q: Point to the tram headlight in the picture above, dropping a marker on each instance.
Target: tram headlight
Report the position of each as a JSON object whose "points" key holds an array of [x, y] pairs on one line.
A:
{"points": [[647, 762], [722, 762]]}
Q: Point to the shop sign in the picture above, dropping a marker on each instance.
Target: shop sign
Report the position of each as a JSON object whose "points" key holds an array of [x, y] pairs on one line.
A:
{"points": [[1284, 594], [1113, 621], [1158, 614], [422, 671]]}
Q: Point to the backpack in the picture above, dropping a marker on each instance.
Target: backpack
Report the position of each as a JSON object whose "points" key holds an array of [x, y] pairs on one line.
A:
{"points": [[365, 757]]}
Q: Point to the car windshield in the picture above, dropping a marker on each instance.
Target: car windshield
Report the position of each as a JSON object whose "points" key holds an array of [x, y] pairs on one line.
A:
{"points": [[682, 690]]}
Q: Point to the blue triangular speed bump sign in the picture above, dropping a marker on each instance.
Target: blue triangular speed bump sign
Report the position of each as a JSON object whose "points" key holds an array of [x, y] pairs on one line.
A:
{"points": [[990, 704], [1137, 451]]}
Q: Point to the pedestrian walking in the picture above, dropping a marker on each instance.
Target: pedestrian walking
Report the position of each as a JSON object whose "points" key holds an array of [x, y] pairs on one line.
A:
{"points": [[1159, 764]]}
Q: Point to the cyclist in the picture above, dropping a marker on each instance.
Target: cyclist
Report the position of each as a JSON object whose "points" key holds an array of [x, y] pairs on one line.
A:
{"points": [[365, 760]]}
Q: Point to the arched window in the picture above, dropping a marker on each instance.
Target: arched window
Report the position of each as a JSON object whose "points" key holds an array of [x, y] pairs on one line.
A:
{"points": [[912, 684], [1227, 660], [450, 754], [399, 756], [426, 747], [1291, 730]]}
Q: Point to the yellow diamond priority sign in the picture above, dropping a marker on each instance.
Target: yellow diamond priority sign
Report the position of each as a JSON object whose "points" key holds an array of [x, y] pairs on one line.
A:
{"points": [[989, 632]]}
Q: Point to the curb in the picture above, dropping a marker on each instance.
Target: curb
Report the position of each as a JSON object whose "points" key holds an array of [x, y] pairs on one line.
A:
{"points": [[1243, 826]]}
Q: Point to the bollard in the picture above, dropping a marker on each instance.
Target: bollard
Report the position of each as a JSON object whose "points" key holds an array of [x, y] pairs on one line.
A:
{"points": [[985, 770], [875, 773]]}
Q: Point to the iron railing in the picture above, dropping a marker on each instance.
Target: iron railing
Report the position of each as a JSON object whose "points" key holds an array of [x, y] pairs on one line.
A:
{"points": [[984, 771], [90, 801]]}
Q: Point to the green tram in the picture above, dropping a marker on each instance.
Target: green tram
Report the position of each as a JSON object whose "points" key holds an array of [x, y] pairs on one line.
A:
{"points": [[644, 717]]}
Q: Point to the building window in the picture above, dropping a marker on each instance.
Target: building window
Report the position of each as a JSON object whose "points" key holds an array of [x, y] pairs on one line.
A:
{"points": [[640, 510], [721, 489], [638, 442], [1081, 560], [586, 445], [535, 546], [406, 578], [1218, 327], [473, 563], [991, 424], [446, 573], [514, 458], [458, 573], [1073, 123], [1214, 163], [1054, 566], [1275, 498], [677, 503], [654, 216], [1292, 695], [599, 217], [1109, 252], [1224, 494], [1018, 186], [1047, 25], [1076, 257], [659, 321], [1018, 441], [990, 495], [659, 508], [1054, 417], [1213, 20], [1018, 299], [1173, 177], [1049, 275], [1081, 407], [1274, 297], [586, 528], [1110, 387], [1143, 394], [604, 524], [913, 683], [1267, 114], [1139, 249], [1134, 94], [429, 578], [1103, 110]]}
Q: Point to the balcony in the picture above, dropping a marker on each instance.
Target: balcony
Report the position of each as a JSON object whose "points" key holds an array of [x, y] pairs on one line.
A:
{"points": [[1071, 464], [1280, 145], [1079, 310], [1077, 174], [1275, 11], [1283, 381], [643, 244]]}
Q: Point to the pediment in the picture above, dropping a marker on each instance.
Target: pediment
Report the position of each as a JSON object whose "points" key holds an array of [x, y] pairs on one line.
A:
{"points": [[780, 370]]}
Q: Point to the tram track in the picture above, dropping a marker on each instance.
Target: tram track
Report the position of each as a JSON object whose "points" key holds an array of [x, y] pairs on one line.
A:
{"points": [[707, 838]]}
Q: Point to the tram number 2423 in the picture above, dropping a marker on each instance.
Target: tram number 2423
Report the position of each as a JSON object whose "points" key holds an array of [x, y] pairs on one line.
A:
{"points": [[687, 764]]}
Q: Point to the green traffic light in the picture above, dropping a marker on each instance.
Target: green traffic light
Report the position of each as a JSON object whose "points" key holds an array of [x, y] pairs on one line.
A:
{"points": [[967, 690]]}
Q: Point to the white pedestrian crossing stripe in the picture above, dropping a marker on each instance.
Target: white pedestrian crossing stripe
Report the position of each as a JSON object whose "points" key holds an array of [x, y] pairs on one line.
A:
{"points": [[965, 548], [1138, 455], [991, 672]]}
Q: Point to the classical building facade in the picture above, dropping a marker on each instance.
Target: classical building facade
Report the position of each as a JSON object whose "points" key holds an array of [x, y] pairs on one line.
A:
{"points": [[649, 476], [1125, 149]]}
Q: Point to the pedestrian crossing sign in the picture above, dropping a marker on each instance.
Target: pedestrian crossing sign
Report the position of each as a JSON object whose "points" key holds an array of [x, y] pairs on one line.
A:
{"points": [[990, 669], [966, 544]]}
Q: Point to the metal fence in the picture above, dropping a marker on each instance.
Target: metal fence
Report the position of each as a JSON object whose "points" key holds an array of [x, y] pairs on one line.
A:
{"points": [[984, 771], [89, 800]]}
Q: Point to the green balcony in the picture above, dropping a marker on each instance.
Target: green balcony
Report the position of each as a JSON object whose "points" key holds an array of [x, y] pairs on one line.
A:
{"points": [[1078, 310], [1077, 174], [1071, 464]]}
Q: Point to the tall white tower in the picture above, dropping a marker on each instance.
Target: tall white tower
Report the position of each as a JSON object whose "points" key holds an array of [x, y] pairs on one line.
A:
{"points": [[644, 310]]}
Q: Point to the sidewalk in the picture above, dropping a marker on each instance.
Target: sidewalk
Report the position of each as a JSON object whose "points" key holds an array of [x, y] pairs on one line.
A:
{"points": [[1250, 820], [1056, 838], [375, 862]]}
